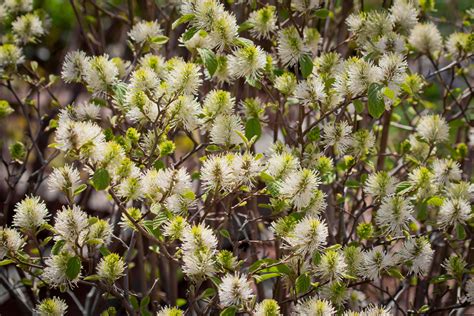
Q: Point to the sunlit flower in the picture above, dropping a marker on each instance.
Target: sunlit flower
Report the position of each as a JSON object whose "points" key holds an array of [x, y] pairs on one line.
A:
{"points": [[315, 306], [309, 235], [234, 290], [267, 307], [223, 31], [300, 187], [446, 170], [376, 261], [145, 31], [332, 266], [426, 38], [199, 265], [75, 66], [184, 78], [11, 55], [453, 211], [380, 184], [310, 91], [198, 238], [70, 225], [64, 179], [110, 268], [263, 22], [286, 83], [290, 46], [247, 62], [225, 130], [404, 14], [417, 254], [17, 6], [100, 73], [27, 28], [30, 213], [51, 307], [282, 165], [10, 241], [337, 135], [55, 273], [170, 311], [394, 214]]}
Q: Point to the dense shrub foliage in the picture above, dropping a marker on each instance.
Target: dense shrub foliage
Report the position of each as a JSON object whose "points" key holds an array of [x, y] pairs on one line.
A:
{"points": [[256, 158]]}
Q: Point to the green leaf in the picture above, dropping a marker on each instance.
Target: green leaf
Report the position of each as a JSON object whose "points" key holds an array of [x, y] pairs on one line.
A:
{"points": [[435, 201], [266, 276], [440, 279], [245, 26], [314, 134], [225, 233], [375, 104], [208, 292], [212, 148], [216, 281], [253, 128], [423, 309], [6, 262], [321, 13], [422, 213], [333, 247], [73, 267], [403, 187], [160, 39], [144, 304], [151, 228], [229, 311], [190, 33], [358, 105], [259, 263], [460, 232], [306, 65], [316, 258], [389, 93], [266, 177], [101, 179], [183, 19], [353, 184], [280, 268], [209, 59], [104, 251], [80, 188], [180, 302], [302, 284], [189, 194], [395, 272], [253, 82], [134, 302], [46, 241], [242, 42], [93, 277], [57, 247]]}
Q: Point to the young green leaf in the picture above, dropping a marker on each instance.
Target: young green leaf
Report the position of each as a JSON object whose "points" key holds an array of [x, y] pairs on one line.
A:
{"points": [[101, 179], [73, 268], [375, 104], [303, 284], [253, 128], [183, 19], [306, 65], [209, 59], [322, 13]]}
